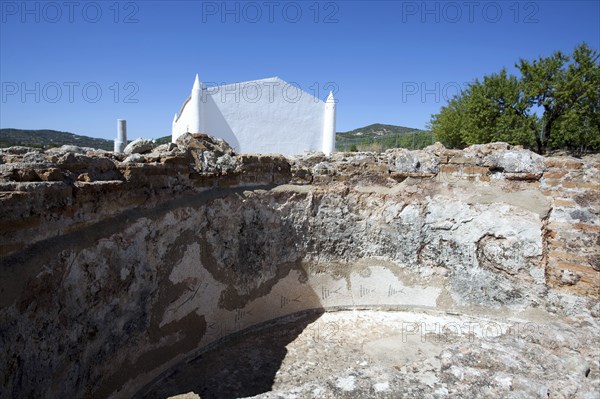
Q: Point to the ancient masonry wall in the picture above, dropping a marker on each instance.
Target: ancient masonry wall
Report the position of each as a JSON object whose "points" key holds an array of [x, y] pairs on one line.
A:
{"points": [[114, 268]]}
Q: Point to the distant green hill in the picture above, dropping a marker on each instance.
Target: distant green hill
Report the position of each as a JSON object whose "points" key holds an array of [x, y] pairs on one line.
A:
{"points": [[379, 137], [163, 140], [50, 138], [376, 137]]}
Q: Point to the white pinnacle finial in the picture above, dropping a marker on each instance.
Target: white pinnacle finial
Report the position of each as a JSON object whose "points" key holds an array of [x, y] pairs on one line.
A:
{"points": [[196, 83], [330, 98]]}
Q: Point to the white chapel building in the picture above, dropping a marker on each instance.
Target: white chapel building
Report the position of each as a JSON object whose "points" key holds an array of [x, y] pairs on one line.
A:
{"points": [[260, 116]]}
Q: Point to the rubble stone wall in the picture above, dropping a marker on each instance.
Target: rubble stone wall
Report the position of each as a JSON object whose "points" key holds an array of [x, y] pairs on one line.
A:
{"points": [[115, 267]]}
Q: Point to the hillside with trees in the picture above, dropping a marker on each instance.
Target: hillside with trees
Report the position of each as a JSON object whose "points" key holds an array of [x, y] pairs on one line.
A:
{"points": [[50, 138], [553, 104], [375, 137], [378, 137]]}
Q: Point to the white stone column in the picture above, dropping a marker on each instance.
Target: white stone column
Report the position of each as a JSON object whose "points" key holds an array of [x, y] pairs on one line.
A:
{"points": [[121, 140], [329, 125]]}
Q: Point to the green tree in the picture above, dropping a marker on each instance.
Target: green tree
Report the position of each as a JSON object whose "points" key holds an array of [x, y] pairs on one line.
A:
{"points": [[497, 111], [487, 111], [578, 129], [503, 107], [544, 85], [447, 126]]}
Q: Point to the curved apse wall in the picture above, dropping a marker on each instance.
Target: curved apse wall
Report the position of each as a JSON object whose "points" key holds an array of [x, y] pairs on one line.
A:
{"points": [[114, 270]]}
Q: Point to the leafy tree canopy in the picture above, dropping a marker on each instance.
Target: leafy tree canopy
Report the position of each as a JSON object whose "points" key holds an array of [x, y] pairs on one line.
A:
{"points": [[553, 104]]}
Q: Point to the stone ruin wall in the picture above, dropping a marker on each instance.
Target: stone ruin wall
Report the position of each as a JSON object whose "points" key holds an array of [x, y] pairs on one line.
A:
{"points": [[114, 268]]}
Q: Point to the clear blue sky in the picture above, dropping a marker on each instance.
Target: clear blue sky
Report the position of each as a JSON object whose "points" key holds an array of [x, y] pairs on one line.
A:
{"points": [[389, 62]]}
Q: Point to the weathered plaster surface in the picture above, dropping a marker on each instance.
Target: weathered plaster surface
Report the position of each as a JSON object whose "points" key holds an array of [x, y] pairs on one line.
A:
{"points": [[117, 271]]}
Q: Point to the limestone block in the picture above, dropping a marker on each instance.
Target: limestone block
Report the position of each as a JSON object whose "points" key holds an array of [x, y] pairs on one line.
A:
{"points": [[139, 146]]}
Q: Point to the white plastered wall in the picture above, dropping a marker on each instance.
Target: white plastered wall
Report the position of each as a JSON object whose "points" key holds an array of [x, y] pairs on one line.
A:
{"points": [[260, 116]]}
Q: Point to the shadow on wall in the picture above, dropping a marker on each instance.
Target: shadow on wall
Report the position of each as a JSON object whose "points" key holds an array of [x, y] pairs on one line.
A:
{"points": [[216, 124], [242, 366], [103, 309], [254, 254]]}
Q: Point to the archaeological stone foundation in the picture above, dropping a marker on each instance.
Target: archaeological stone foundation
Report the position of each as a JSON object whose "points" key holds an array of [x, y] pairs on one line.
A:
{"points": [[355, 274]]}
